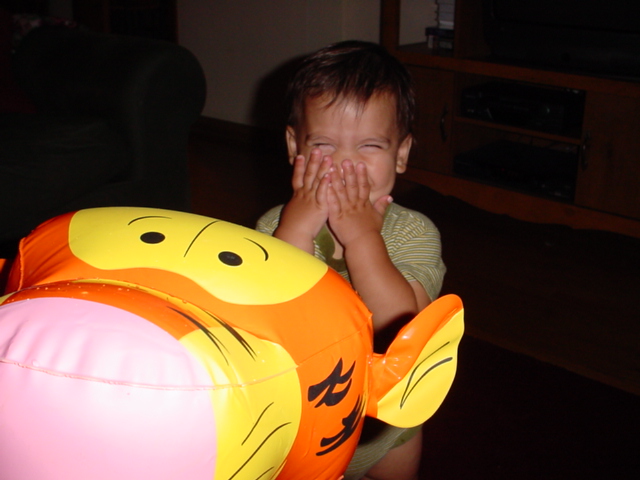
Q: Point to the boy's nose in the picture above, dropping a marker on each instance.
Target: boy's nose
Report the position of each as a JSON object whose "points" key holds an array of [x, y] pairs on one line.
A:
{"points": [[339, 156]]}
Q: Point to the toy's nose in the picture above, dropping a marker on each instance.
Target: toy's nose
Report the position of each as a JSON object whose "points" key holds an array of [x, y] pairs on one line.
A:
{"points": [[99, 393]]}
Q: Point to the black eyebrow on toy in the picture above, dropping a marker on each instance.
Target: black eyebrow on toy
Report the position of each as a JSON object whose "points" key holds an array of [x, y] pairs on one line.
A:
{"points": [[409, 388], [197, 235], [146, 217], [264, 250], [217, 342]]}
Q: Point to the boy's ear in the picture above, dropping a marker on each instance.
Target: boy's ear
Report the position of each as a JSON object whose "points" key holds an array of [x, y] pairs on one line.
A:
{"points": [[292, 146], [403, 154]]}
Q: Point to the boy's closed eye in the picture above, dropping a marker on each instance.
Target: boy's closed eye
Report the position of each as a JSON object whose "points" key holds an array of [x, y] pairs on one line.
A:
{"points": [[376, 143], [325, 148]]}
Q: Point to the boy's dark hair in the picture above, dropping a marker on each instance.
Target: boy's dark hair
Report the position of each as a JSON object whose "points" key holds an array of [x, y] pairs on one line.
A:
{"points": [[353, 70]]}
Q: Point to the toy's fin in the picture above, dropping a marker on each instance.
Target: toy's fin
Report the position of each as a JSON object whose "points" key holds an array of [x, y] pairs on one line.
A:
{"points": [[413, 377]]}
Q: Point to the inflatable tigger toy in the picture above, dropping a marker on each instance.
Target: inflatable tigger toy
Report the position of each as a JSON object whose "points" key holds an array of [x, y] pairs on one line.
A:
{"points": [[138, 343]]}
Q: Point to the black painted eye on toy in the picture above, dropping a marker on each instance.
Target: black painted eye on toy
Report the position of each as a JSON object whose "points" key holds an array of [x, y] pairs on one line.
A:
{"points": [[230, 258], [152, 237]]}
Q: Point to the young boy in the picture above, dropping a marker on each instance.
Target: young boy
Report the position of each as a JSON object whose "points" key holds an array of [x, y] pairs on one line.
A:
{"points": [[348, 136]]}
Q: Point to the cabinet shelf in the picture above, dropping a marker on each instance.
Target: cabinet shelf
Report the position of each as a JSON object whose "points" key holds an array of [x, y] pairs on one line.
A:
{"points": [[420, 55], [522, 206], [604, 139]]}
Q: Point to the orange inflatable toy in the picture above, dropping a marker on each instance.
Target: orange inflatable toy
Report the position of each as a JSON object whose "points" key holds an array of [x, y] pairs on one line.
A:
{"points": [[144, 343]]}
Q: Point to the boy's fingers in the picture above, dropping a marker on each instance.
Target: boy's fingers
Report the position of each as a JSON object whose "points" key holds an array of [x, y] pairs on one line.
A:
{"points": [[350, 179], [325, 167], [332, 199], [363, 181], [382, 203], [311, 172], [337, 185], [297, 180], [316, 168], [323, 188]]}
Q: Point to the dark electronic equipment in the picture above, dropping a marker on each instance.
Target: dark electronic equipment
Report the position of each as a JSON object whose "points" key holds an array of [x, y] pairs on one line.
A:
{"points": [[527, 168], [553, 111]]}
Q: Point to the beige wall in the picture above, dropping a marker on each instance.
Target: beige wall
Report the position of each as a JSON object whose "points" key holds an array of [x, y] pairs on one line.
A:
{"points": [[240, 43]]}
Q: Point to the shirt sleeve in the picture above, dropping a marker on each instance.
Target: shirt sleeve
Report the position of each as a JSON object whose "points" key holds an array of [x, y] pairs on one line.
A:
{"points": [[413, 243], [268, 222]]}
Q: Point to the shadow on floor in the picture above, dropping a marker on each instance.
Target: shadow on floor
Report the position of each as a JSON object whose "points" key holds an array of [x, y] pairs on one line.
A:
{"points": [[509, 416]]}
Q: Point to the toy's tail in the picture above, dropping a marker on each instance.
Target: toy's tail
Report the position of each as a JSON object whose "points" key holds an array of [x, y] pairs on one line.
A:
{"points": [[413, 377]]}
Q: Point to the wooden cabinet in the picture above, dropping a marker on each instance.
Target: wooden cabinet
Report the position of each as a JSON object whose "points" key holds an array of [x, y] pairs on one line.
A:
{"points": [[432, 146], [601, 152], [609, 175]]}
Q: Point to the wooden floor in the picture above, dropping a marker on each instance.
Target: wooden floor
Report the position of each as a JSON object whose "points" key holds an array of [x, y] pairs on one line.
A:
{"points": [[549, 368]]}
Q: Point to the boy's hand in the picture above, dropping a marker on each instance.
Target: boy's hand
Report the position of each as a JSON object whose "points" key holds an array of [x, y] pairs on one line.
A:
{"points": [[304, 215], [351, 213]]}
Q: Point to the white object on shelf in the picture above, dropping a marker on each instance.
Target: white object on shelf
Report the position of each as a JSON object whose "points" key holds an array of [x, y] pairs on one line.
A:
{"points": [[446, 13], [415, 17]]}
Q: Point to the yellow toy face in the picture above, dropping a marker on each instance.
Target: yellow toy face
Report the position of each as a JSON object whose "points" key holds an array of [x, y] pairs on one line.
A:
{"points": [[233, 263]]}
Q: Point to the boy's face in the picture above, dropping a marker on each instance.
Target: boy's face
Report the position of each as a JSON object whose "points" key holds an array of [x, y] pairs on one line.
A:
{"points": [[345, 131]]}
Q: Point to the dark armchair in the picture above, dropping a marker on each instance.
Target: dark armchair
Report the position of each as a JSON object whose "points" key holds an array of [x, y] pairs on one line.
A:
{"points": [[109, 126]]}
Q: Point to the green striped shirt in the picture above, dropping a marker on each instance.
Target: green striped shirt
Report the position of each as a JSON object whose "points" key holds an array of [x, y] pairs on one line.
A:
{"points": [[412, 241]]}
